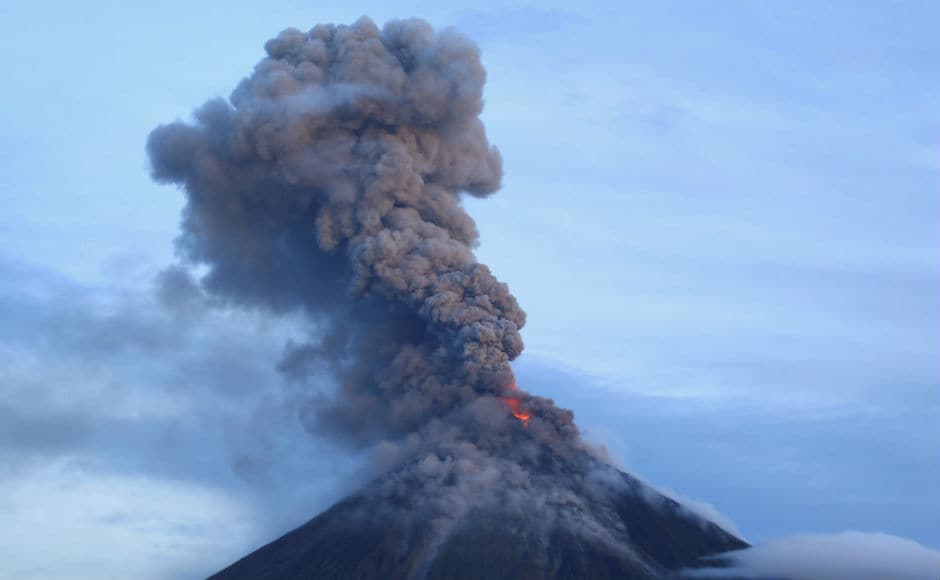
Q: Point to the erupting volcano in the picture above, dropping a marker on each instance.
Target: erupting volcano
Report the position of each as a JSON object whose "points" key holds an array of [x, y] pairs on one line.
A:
{"points": [[329, 185]]}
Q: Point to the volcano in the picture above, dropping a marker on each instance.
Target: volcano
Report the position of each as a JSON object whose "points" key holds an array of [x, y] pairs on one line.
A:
{"points": [[643, 535], [330, 185]]}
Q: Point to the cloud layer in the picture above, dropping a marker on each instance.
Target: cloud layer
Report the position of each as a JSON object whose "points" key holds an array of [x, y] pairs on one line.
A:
{"points": [[844, 556]]}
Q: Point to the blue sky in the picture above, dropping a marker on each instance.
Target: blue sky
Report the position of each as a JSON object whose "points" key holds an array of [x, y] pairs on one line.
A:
{"points": [[721, 219]]}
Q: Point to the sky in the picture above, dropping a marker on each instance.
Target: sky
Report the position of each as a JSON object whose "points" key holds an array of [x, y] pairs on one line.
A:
{"points": [[721, 219]]}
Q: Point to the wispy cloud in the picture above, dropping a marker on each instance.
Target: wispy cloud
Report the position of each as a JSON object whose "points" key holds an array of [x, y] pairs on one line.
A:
{"points": [[145, 439]]}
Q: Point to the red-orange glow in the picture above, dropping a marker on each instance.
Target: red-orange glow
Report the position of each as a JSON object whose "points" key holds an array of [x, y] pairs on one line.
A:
{"points": [[517, 411], [514, 405]]}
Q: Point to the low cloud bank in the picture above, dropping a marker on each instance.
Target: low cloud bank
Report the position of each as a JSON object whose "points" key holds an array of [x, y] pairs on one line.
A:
{"points": [[842, 556]]}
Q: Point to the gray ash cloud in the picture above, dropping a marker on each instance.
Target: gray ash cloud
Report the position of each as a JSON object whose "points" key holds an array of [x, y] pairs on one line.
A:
{"points": [[330, 184]]}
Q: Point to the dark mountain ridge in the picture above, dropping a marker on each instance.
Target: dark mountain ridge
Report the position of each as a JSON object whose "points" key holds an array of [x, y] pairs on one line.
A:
{"points": [[370, 535]]}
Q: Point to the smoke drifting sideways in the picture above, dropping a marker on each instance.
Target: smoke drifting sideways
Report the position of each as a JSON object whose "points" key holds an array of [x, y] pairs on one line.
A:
{"points": [[330, 184]]}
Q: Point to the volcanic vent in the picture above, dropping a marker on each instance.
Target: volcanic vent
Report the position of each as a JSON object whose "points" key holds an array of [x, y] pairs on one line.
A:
{"points": [[329, 184]]}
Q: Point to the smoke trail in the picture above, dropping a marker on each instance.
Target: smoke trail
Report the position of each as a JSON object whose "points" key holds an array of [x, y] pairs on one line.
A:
{"points": [[331, 182]]}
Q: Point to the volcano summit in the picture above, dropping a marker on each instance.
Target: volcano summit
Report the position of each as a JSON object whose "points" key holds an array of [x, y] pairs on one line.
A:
{"points": [[606, 525], [329, 184]]}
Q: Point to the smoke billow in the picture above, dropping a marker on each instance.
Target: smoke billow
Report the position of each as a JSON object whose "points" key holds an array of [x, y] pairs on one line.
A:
{"points": [[329, 183]]}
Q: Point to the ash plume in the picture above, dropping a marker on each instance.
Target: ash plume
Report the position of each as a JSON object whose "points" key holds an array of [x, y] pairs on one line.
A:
{"points": [[330, 183]]}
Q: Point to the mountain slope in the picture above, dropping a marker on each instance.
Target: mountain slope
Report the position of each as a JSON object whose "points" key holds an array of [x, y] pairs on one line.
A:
{"points": [[647, 536]]}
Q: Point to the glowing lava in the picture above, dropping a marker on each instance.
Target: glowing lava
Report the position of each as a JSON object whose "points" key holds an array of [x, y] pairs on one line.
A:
{"points": [[515, 407], [517, 411]]}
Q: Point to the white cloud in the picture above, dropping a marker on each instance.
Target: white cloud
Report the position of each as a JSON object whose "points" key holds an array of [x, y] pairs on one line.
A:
{"points": [[702, 509], [65, 520], [843, 556]]}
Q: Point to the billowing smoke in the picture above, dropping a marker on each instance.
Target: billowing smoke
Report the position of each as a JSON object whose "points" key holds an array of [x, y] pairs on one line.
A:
{"points": [[330, 184]]}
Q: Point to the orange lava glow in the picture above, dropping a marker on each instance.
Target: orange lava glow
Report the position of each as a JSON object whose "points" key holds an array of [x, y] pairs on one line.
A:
{"points": [[514, 406], [517, 411]]}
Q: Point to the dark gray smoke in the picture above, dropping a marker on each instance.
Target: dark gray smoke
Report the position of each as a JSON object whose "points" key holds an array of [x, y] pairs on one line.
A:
{"points": [[330, 183]]}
